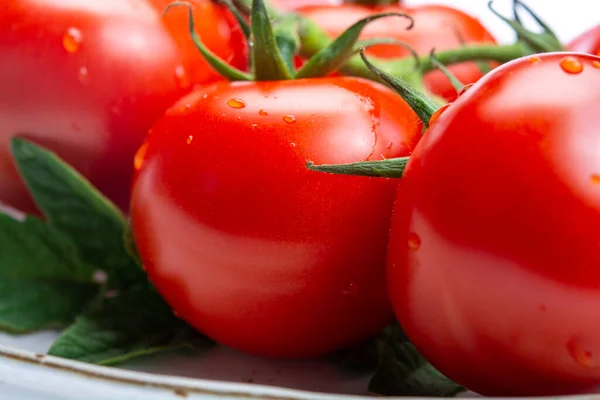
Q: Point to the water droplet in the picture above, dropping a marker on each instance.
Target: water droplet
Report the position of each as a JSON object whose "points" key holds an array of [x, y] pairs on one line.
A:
{"points": [[184, 108], [140, 155], [571, 65], [292, 144], [580, 355], [72, 40], [83, 74], [465, 88], [189, 139], [596, 64], [438, 112], [236, 103], [595, 178], [205, 96], [534, 60], [289, 119], [253, 125], [350, 290], [414, 241], [181, 77], [262, 112], [389, 145]]}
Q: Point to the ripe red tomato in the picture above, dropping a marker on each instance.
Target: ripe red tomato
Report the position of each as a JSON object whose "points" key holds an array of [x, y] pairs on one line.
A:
{"points": [[436, 26], [494, 248], [587, 42], [244, 242], [87, 78]]}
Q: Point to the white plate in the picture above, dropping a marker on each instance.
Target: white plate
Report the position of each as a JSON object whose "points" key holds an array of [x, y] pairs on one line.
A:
{"points": [[221, 373]]}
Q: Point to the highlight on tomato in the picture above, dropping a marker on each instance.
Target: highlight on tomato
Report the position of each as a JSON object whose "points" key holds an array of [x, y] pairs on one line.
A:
{"points": [[88, 78], [246, 244]]}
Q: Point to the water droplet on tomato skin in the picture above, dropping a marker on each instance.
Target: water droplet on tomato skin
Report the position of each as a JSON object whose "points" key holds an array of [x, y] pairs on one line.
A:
{"points": [[438, 112], [71, 40], [389, 145], [184, 108], [595, 178], [289, 119], [571, 65], [596, 64], [534, 60], [236, 103], [262, 112], [350, 290], [414, 241], [189, 139], [292, 144], [181, 77], [579, 354]]}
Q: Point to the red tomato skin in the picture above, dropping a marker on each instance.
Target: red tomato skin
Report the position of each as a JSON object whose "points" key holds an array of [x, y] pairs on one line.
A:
{"points": [[494, 247], [436, 26], [588, 42], [88, 78], [244, 242]]}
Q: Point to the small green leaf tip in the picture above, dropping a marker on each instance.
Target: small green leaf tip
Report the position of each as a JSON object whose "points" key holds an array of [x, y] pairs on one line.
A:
{"points": [[423, 106], [390, 168], [220, 65]]}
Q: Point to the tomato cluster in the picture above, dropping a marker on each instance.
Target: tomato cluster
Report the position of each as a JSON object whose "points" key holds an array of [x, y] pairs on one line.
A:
{"points": [[485, 250]]}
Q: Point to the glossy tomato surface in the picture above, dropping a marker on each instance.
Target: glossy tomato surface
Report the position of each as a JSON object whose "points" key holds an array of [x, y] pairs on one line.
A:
{"points": [[587, 42], [495, 246], [87, 79], [436, 26], [244, 242]]}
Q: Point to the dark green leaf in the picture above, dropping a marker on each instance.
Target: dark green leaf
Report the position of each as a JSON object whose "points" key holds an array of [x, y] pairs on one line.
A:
{"points": [[76, 210], [134, 323], [267, 61], [332, 57], [402, 371], [29, 305]]}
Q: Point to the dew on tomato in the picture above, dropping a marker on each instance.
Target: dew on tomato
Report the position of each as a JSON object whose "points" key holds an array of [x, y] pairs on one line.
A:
{"points": [[72, 40], [438, 113], [595, 178], [596, 64], [236, 103], [389, 145], [534, 60], [189, 139], [289, 119], [571, 65], [263, 112], [414, 241], [465, 88]]}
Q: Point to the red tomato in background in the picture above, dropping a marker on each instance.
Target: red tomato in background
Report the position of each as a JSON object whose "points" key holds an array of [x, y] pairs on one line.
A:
{"points": [[587, 42], [495, 245], [436, 26], [244, 242], [87, 79]]}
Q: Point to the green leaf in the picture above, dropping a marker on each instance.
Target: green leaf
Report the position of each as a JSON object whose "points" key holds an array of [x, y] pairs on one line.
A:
{"points": [[332, 57], [134, 323], [267, 61], [30, 305], [73, 208], [221, 66], [390, 168], [402, 371]]}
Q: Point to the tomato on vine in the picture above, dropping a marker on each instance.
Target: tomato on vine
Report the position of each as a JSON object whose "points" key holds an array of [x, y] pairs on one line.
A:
{"points": [[244, 242]]}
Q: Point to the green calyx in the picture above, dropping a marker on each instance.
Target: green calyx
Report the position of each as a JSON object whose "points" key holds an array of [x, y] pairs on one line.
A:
{"points": [[275, 40]]}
